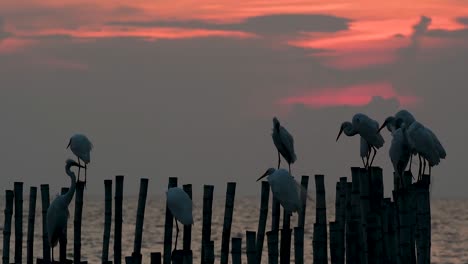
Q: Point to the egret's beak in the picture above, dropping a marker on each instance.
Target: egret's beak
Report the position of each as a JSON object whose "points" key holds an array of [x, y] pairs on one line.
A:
{"points": [[77, 165], [263, 176], [339, 134], [69, 143], [383, 125]]}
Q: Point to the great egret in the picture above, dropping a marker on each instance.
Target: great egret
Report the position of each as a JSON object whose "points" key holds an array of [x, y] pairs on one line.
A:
{"points": [[81, 146], [284, 143], [368, 129], [180, 205], [57, 213], [285, 189]]}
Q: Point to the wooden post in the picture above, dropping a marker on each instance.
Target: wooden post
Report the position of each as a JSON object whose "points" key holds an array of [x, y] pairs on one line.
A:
{"points": [[236, 250], [77, 222], [107, 220], [389, 251], [45, 205], [18, 189], [355, 230], [207, 212], [9, 196], [340, 220], [364, 182], [275, 214], [177, 256], [119, 181], [424, 220], [63, 240], [228, 212], [265, 198], [298, 245], [285, 244], [348, 240], [155, 258], [187, 228], [402, 199], [31, 220], [209, 252], [395, 230], [140, 217], [168, 225], [250, 247], [272, 237], [320, 227], [374, 238], [334, 241]]}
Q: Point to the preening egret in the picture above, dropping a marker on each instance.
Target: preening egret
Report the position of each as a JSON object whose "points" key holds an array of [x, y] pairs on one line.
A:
{"points": [[57, 213], [284, 143], [368, 129], [180, 205], [81, 146], [285, 189]]}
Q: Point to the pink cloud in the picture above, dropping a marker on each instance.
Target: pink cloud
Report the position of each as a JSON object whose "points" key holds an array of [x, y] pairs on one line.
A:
{"points": [[356, 95]]}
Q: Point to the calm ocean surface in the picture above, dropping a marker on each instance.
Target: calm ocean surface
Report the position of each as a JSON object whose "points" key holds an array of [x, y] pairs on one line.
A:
{"points": [[449, 227]]}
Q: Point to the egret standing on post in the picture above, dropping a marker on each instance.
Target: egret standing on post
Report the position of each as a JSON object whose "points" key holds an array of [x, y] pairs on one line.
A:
{"points": [[284, 143], [57, 213], [180, 205], [368, 129], [81, 146]]}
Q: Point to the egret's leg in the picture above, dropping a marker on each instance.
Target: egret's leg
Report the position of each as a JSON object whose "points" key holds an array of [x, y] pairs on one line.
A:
{"points": [[177, 234], [279, 160], [420, 166], [79, 167], [289, 165], [424, 169], [375, 152], [363, 162], [85, 170], [52, 249]]}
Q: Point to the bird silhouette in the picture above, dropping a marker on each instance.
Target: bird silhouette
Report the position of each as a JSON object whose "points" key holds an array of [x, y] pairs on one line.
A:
{"points": [[284, 143], [81, 146], [180, 205]]}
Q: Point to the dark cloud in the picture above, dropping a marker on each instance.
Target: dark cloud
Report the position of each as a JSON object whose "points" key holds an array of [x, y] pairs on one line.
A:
{"points": [[270, 24], [462, 20], [419, 30]]}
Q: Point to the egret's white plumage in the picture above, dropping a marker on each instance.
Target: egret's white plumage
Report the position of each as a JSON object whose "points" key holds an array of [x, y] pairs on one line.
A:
{"points": [[81, 146], [285, 189], [57, 213], [368, 129], [284, 143], [180, 205]]}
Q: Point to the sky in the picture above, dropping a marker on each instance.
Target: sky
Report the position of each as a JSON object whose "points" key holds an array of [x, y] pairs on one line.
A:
{"points": [[188, 89]]}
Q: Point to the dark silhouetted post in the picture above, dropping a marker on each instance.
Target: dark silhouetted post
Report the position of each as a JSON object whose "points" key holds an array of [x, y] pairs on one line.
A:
{"points": [[168, 226], [285, 244], [355, 223], [299, 234], [272, 237], [209, 252], [250, 247], [188, 254], [107, 220], [18, 188], [402, 199], [388, 250], [298, 245], [374, 238], [140, 217], [350, 239], [319, 241], [265, 197], [119, 181], [236, 250], [364, 183], [424, 220], [275, 214], [155, 258], [228, 212], [31, 220], [77, 222], [9, 196], [207, 212], [63, 240], [45, 205], [334, 241]]}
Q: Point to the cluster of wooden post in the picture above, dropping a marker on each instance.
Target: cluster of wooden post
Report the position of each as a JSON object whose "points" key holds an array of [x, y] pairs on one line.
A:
{"points": [[368, 228]]}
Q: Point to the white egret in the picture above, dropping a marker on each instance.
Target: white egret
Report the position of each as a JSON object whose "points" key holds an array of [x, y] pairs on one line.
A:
{"points": [[180, 205], [284, 143], [285, 189], [57, 213], [368, 129], [81, 146]]}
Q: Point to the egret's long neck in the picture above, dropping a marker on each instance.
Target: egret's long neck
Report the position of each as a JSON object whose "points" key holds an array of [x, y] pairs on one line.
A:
{"points": [[69, 195], [349, 130]]}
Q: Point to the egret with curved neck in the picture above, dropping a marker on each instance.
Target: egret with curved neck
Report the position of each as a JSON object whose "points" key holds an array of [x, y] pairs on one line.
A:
{"points": [[57, 213]]}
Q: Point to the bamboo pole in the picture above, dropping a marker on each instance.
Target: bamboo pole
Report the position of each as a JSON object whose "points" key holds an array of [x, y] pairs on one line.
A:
{"points": [[140, 217], [188, 254], [298, 245], [63, 240], [364, 182], [386, 245], [250, 247], [209, 252], [285, 244], [348, 240], [265, 198], [236, 250], [320, 227], [155, 258], [31, 220], [402, 199], [107, 220], [275, 214], [334, 242], [77, 222], [302, 213], [119, 181], [340, 219], [272, 238], [424, 221], [18, 189], [207, 213], [228, 212], [395, 230], [355, 219], [168, 225], [9, 196], [45, 205], [374, 238], [299, 233]]}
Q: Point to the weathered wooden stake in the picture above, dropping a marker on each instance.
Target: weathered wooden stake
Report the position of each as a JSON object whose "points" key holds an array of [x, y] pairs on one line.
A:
{"points": [[298, 245], [119, 180], [77, 222], [272, 238], [63, 240], [18, 189], [45, 205], [236, 250], [155, 258], [265, 198], [168, 227], [228, 212], [299, 234], [250, 247], [140, 217], [424, 220], [356, 231], [209, 252], [285, 244], [9, 196], [187, 228], [207, 212], [364, 183], [107, 220], [31, 220], [334, 241], [374, 238], [350, 235], [275, 214], [402, 202], [319, 242]]}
